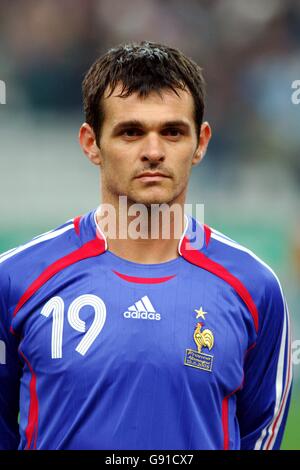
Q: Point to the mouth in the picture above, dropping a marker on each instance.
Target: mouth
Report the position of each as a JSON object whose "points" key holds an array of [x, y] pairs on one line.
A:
{"points": [[151, 176]]}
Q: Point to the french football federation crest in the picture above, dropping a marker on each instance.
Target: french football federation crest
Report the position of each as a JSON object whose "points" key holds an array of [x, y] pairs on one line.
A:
{"points": [[203, 339]]}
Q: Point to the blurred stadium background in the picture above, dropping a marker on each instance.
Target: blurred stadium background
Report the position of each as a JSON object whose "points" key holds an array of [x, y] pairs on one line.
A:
{"points": [[249, 180]]}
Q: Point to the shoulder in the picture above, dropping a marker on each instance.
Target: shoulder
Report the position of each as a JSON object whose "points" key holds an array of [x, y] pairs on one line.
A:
{"points": [[257, 276], [22, 262]]}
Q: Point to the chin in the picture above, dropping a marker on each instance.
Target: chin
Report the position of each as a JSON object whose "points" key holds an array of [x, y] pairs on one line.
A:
{"points": [[148, 199]]}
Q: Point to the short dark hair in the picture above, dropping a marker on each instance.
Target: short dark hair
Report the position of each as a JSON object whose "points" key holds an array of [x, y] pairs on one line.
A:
{"points": [[140, 67]]}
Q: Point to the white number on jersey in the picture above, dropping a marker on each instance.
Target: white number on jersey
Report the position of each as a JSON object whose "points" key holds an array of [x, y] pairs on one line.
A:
{"points": [[56, 306]]}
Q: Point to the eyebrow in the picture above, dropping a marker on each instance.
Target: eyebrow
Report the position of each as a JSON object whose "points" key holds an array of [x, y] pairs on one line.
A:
{"points": [[136, 123]]}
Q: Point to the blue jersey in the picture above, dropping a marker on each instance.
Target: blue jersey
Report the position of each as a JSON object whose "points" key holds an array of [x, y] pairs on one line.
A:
{"points": [[97, 352]]}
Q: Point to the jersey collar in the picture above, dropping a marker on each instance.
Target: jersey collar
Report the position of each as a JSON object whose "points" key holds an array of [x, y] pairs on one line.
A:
{"points": [[194, 237]]}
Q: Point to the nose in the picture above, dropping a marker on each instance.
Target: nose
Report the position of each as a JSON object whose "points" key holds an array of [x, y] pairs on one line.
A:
{"points": [[153, 149]]}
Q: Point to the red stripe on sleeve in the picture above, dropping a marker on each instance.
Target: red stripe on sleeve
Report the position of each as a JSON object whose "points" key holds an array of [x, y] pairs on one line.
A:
{"points": [[31, 430], [77, 224], [225, 423], [225, 419]]}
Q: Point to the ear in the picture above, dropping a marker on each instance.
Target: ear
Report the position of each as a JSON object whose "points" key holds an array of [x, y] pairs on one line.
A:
{"points": [[204, 138], [87, 140]]}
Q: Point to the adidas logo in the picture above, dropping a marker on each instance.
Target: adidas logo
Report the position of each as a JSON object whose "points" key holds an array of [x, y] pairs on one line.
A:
{"points": [[142, 309]]}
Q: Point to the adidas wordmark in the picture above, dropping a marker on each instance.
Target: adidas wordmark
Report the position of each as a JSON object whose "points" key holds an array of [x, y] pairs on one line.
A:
{"points": [[142, 309]]}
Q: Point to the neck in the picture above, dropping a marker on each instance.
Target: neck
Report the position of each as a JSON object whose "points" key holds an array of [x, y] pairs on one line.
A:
{"points": [[142, 234]]}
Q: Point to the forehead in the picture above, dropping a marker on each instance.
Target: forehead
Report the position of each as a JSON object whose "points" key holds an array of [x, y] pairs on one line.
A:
{"points": [[155, 107]]}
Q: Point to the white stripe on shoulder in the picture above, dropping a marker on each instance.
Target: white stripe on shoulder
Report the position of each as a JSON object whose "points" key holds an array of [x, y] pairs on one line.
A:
{"points": [[221, 238], [279, 412], [39, 239]]}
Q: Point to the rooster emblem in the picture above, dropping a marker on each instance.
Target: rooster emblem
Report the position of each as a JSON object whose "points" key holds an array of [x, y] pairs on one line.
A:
{"points": [[203, 339]]}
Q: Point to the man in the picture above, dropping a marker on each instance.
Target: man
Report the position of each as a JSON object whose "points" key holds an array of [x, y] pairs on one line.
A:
{"points": [[118, 340]]}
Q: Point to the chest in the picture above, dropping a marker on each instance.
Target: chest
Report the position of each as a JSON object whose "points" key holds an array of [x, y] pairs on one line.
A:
{"points": [[92, 321]]}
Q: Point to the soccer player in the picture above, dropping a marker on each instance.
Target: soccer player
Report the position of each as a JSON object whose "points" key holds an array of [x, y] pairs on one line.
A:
{"points": [[115, 341]]}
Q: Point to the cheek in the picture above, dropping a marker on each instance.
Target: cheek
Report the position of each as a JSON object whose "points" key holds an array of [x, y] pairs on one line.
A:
{"points": [[116, 169], [115, 160], [183, 165]]}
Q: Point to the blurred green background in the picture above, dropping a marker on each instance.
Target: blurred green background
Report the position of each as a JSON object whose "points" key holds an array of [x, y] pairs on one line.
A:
{"points": [[249, 181]]}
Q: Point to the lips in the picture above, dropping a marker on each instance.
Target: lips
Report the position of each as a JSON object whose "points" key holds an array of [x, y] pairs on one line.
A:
{"points": [[151, 174]]}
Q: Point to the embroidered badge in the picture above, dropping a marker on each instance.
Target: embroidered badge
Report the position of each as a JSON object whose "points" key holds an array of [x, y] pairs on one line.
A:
{"points": [[203, 339]]}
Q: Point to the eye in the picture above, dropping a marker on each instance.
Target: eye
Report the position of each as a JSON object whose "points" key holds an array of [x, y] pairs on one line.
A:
{"points": [[132, 132], [172, 132]]}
